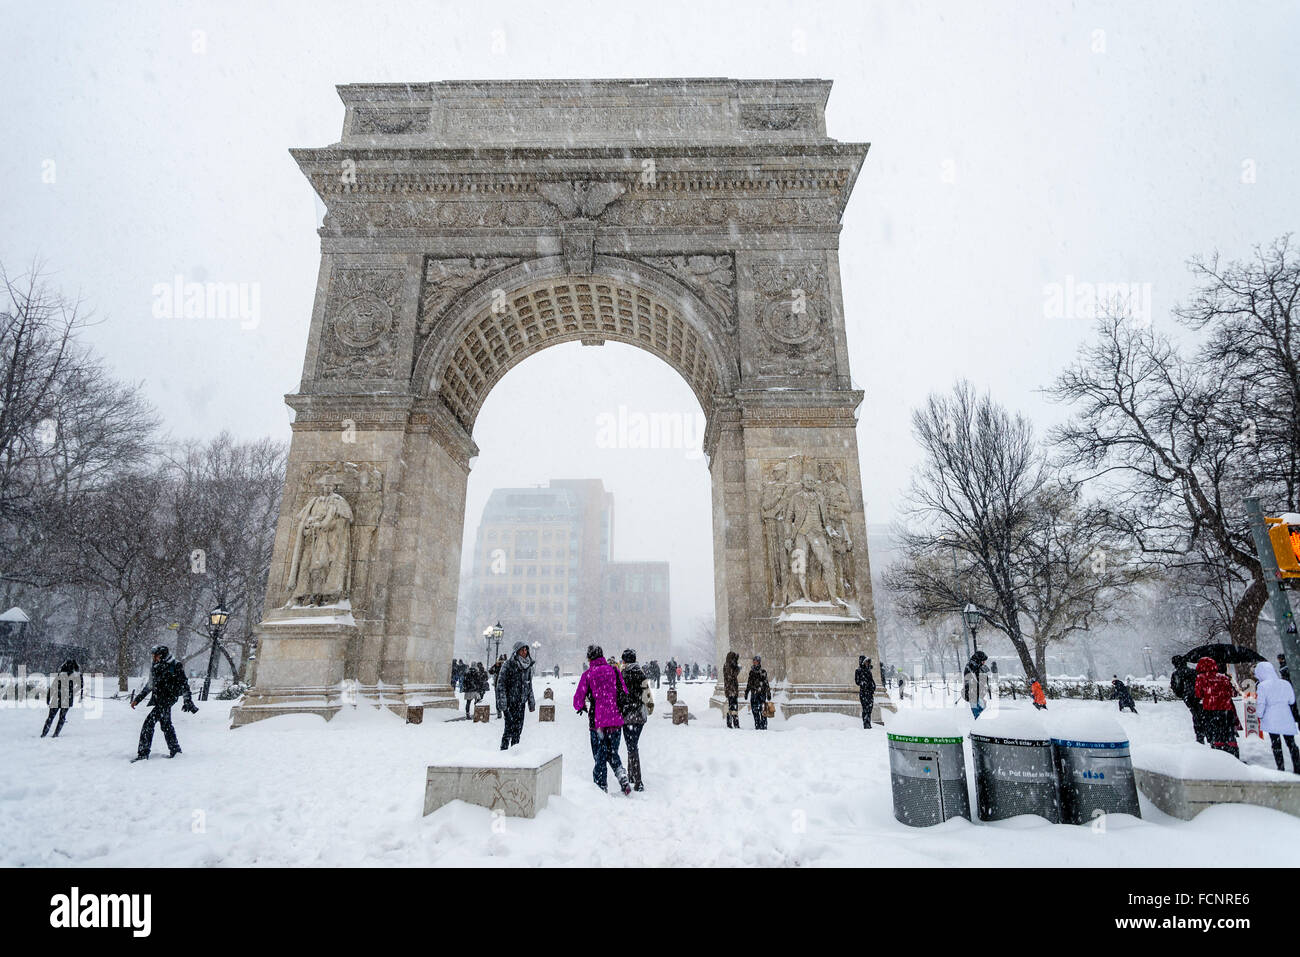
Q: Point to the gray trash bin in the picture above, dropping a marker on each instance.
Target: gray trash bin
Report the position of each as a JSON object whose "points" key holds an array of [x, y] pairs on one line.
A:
{"points": [[1014, 769], [927, 768], [1095, 769]]}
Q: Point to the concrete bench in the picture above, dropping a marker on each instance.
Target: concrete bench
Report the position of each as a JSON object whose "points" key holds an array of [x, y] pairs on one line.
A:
{"points": [[482, 712], [681, 714], [1186, 797], [518, 782]]}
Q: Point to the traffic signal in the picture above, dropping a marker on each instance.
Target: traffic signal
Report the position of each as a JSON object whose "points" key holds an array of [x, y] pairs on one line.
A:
{"points": [[1285, 539]]}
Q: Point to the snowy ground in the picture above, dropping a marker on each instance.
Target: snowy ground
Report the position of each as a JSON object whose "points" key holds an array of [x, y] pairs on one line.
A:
{"points": [[299, 791]]}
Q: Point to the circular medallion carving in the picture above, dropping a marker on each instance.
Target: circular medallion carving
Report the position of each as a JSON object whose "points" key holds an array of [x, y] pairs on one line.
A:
{"points": [[790, 322], [363, 321]]}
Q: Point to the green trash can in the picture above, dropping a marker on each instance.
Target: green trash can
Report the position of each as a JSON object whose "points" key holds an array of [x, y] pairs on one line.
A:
{"points": [[927, 767], [1094, 767], [1014, 768]]}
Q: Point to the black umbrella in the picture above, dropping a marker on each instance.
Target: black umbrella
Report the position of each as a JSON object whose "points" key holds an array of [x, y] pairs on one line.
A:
{"points": [[1223, 654]]}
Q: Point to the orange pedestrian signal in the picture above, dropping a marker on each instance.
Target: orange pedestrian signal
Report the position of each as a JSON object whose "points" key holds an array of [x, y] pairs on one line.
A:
{"points": [[1286, 546]]}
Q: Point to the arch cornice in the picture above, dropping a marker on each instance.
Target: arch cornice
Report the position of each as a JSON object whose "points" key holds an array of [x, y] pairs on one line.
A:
{"points": [[438, 348]]}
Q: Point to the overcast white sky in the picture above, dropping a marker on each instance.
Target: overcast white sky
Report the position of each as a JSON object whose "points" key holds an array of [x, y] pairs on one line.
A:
{"points": [[1013, 145]]}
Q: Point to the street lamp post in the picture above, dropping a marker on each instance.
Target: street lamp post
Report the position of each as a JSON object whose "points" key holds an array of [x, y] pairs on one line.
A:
{"points": [[971, 616], [492, 635], [217, 619]]}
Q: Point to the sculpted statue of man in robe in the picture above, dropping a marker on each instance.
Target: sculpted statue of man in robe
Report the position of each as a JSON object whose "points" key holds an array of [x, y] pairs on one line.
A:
{"points": [[838, 508], [807, 531], [773, 507], [322, 551]]}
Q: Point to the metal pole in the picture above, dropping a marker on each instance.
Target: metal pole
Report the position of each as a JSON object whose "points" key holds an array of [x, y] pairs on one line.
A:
{"points": [[212, 661], [1273, 579]]}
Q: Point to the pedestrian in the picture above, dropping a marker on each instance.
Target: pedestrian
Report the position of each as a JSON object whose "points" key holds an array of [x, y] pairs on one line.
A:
{"points": [[557, 671], [603, 682], [757, 686], [515, 687], [1120, 692], [866, 689], [1275, 699], [1285, 673], [635, 706], [731, 688], [1040, 699], [166, 683], [902, 686], [475, 683], [1182, 682], [495, 672], [672, 673], [66, 686], [1214, 690], [975, 683]]}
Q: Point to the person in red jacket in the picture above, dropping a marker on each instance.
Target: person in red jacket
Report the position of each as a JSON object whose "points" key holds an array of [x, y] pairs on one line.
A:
{"points": [[1040, 699], [1214, 691]]}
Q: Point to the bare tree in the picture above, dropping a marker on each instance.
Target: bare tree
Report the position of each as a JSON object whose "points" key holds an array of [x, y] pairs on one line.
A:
{"points": [[993, 529]]}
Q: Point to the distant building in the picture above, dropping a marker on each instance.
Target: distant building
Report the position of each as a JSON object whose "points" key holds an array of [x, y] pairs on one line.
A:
{"points": [[543, 567]]}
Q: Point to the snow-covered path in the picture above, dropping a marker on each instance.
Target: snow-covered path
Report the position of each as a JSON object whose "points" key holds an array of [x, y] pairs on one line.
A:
{"points": [[300, 791]]}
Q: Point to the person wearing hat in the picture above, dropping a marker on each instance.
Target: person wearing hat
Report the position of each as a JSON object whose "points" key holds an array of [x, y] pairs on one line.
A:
{"points": [[975, 683], [515, 683], [636, 706], [166, 683], [756, 684], [62, 694], [602, 684], [866, 689]]}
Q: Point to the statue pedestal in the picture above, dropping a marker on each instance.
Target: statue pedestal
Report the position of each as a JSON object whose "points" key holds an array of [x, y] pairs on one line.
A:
{"points": [[306, 664], [811, 664]]}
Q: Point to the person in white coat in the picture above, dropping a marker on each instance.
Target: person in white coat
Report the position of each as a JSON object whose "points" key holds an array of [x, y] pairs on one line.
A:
{"points": [[1274, 709]]}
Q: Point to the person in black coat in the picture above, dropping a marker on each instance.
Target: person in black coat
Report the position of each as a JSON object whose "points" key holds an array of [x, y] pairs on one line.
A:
{"points": [[474, 684], [515, 689], [166, 684], [1120, 692], [65, 687], [1182, 682], [756, 685], [866, 689]]}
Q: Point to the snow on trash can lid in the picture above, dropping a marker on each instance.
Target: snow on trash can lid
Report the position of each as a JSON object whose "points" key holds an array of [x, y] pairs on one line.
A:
{"points": [[1087, 728], [936, 725], [1010, 723]]}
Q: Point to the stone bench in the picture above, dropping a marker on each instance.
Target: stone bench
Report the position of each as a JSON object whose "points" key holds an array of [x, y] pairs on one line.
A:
{"points": [[518, 782], [1186, 797], [681, 714], [482, 712]]}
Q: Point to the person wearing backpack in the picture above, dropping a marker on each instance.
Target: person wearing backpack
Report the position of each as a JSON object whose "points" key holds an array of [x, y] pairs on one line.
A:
{"points": [[602, 681], [635, 705], [756, 684]]}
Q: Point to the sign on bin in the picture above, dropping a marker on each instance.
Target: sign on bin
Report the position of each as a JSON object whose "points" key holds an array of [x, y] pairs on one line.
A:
{"points": [[1096, 778]]}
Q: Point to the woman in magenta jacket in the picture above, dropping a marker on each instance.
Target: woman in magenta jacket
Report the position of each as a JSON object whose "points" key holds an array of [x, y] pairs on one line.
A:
{"points": [[603, 680]]}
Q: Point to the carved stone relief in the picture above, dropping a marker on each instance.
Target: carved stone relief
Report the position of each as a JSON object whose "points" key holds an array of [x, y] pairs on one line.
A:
{"points": [[792, 312], [804, 510], [359, 338], [447, 279], [712, 278]]}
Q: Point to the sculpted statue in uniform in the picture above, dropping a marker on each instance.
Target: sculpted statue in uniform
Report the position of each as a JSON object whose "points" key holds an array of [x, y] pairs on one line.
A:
{"points": [[322, 551], [807, 532]]}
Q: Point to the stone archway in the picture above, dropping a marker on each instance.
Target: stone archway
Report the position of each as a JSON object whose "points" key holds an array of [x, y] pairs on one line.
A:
{"points": [[470, 225]]}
